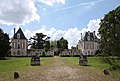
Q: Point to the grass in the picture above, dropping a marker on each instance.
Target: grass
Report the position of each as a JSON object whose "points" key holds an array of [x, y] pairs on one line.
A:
{"points": [[21, 64], [17, 64], [93, 62], [12, 64]]}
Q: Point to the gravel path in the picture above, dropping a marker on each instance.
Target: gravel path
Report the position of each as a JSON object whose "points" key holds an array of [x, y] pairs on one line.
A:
{"points": [[60, 71]]}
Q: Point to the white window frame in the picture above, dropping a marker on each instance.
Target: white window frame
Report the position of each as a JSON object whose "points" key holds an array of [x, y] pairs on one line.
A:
{"points": [[18, 35]]}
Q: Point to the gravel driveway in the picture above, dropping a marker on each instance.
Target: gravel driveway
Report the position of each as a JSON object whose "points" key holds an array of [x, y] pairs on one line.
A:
{"points": [[60, 71]]}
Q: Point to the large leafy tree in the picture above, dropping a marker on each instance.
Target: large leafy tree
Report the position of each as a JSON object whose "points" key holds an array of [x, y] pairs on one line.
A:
{"points": [[47, 44], [4, 44], [109, 32], [53, 44], [62, 44], [40, 41]]}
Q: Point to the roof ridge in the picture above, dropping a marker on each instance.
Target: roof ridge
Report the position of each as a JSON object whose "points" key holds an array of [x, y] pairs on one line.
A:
{"points": [[22, 36]]}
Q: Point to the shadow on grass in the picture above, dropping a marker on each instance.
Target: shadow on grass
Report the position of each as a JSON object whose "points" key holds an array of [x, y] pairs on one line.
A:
{"points": [[3, 58], [85, 65]]}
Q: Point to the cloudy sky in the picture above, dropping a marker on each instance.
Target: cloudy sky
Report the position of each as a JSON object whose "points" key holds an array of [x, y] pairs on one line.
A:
{"points": [[55, 18]]}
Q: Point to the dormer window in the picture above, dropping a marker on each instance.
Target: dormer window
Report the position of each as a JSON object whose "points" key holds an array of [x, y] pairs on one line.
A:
{"points": [[88, 38], [18, 35]]}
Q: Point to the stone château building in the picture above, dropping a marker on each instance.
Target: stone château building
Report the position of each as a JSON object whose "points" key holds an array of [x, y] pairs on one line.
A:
{"points": [[19, 44], [89, 43]]}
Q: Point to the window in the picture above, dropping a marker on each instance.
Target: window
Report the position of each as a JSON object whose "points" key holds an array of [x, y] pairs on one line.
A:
{"points": [[91, 52], [97, 47], [85, 46], [18, 46], [88, 38], [88, 52], [92, 46], [18, 52], [14, 45], [22, 45], [18, 35]]}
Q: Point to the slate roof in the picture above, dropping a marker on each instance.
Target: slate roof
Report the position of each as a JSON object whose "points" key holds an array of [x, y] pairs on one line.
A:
{"points": [[22, 36], [89, 36]]}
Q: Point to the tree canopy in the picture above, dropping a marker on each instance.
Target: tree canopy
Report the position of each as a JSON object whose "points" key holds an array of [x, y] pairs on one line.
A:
{"points": [[62, 44], [40, 41], [53, 44], [109, 32], [4, 44]]}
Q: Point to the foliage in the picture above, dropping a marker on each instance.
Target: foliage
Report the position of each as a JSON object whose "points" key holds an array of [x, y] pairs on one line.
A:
{"points": [[110, 36], [98, 52], [40, 41], [72, 47], [69, 55], [62, 44], [4, 44], [47, 45], [53, 44]]}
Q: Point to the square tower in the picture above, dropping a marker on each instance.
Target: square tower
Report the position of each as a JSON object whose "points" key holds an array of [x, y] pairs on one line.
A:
{"points": [[19, 44]]}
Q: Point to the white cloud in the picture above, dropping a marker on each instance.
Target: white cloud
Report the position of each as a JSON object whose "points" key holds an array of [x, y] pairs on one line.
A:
{"points": [[16, 12], [73, 35], [52, 2], [93, 25]]}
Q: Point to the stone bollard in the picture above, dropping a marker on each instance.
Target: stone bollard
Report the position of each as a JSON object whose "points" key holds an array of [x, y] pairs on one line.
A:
{"points": [[35, 61], [106, 72], [16, 75], [82, 60]]}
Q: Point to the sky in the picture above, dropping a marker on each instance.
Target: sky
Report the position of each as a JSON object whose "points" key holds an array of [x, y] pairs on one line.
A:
{"points": [[54, 18]]}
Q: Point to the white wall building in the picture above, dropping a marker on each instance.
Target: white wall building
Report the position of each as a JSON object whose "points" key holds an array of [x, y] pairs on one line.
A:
{"points": [[19, 44], [89, 43]]}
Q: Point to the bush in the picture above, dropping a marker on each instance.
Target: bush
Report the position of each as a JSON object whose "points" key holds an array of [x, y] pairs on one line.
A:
{"points": [[61, 55]]}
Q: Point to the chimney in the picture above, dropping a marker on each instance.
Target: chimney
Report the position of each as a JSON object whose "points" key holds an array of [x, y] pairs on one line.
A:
{"points": [[88, 32], [14, 31], [94, 34], [81, 36]]}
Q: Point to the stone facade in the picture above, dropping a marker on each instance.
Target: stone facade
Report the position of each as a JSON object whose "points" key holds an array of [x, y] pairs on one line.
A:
{"points": [[40, 52], [19, 44], [71, 52], [35, 52], [51, 52], [89, 43]]}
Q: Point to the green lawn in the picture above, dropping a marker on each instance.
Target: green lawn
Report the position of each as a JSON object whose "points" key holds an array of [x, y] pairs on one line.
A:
{"points": [[13, 64], [92, 62], [17, 64], [20, 64]]}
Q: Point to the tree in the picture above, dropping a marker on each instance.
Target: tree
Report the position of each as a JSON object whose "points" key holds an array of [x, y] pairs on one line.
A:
{"points": [[40, 41], [53, 44], [4, 44], [62, 44], [72, 47], [47, 44], [109, 32]]}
